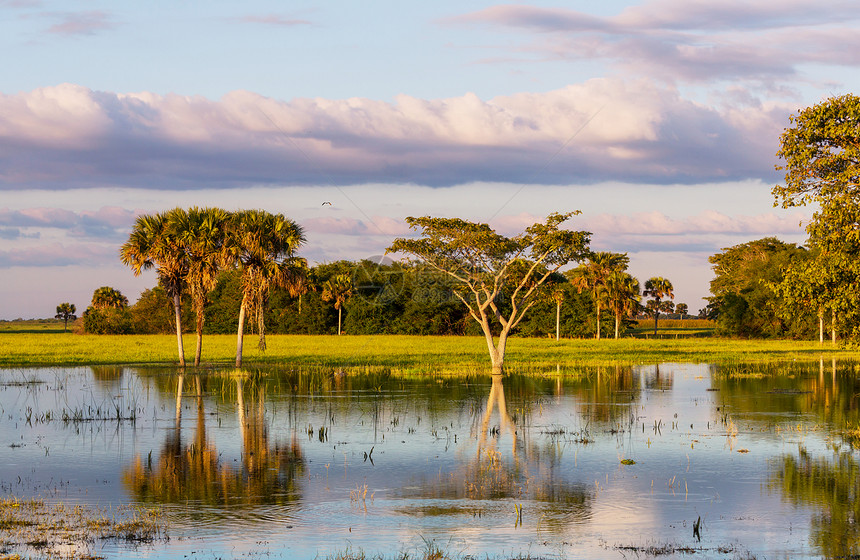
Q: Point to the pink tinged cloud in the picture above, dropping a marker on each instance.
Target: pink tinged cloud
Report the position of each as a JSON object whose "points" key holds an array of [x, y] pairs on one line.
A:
{"points": [[82, 23], [600, 130], [706, 222]]}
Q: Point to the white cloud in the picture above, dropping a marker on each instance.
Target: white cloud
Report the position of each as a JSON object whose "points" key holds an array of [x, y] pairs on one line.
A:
{"points": [[604, 129]]}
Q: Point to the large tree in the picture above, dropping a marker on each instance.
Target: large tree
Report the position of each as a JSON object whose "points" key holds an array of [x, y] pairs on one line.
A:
{"points": [[821, 151], [483, 262], [153, 244], [263, 247], [65, 311], [200, 234], [657, 288]]}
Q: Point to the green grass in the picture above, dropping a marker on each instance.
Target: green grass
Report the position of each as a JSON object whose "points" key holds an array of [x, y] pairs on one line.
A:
{"points": [[414, 354]]}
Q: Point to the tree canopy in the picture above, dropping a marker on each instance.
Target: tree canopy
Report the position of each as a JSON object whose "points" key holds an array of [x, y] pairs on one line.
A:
{"points": [[498, 277]]}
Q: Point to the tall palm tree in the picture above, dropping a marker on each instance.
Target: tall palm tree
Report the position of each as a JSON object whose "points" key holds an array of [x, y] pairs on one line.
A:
{"points": [[262, 246], [152, 244], [622, 296], [592, 275], [65, 311], [338, 289], [200, 235], [657, 288], [558, 297]]}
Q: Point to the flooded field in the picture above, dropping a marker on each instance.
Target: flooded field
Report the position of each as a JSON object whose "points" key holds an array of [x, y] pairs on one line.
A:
{"points": [[682, 459]]}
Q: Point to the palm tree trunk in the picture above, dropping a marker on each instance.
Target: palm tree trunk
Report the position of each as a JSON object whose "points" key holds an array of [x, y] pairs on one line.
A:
{"points": [[557, 320], [338, 320], [656, 314], [199, 349], [241, 333], [177, 309], [617, 321], [598, 321]]}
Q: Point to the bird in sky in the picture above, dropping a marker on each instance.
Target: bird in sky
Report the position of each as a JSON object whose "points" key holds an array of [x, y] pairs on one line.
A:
{"points": [[326, 202]]}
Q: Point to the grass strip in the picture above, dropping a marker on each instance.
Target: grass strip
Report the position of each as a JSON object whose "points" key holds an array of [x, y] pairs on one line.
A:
{"points": [[410, 353]]}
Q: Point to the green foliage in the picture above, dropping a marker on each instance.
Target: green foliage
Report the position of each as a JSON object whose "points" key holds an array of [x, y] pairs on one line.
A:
{"points": [[107, 297], [746, 301], [66, 311], [109, 320], [153, 313]]}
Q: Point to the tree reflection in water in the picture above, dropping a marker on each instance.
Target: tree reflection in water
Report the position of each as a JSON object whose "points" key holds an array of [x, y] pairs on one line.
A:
{"points": [[527, 472], [195, 472], [830, 485]]}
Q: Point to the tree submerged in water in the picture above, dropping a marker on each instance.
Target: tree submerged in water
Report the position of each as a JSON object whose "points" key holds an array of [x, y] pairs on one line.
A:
{"points": [[499, 278]]}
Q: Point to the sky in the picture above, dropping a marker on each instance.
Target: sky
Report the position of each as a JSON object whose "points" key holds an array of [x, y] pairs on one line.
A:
{"points": [[659, 120]]}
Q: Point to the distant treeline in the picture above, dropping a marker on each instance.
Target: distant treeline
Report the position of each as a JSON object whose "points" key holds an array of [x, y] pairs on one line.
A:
{"points": [[393, 298]]}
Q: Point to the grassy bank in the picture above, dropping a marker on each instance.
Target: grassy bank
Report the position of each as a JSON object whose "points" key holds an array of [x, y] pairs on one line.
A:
{"points": [[414, 353]]}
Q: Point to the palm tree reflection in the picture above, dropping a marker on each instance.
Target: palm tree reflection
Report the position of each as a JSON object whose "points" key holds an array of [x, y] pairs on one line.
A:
{"points": [[196, 472]]}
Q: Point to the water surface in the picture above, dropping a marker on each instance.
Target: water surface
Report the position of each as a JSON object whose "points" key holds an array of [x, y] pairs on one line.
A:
{"points": [[594, 463]]}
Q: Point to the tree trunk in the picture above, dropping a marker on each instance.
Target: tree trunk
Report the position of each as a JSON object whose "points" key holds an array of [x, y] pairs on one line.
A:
{"points": [[557, 320], [833, 328], [656, 314], [199, 349], [598, 321], [821, 325], [617, 321], [338, 320], [177, 309], [241, 333], [497, 353]]}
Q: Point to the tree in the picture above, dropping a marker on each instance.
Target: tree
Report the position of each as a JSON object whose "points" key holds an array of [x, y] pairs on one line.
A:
{"points": [[200, 239], [821, 151], [657, 288], [622, 295], [681, 309], [745, 300], [108, 298], [152, 244], [66, 311], [592, 276], [481, 261], [262, 246], [337, 289]]}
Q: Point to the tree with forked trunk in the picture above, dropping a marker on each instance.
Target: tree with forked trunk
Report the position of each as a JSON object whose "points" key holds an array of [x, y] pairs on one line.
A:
{"points": [[499, 278]]}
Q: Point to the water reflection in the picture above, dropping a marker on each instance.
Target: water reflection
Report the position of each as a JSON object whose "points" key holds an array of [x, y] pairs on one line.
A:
{"points": [[831, 487], [195, 471], [610, 459]]}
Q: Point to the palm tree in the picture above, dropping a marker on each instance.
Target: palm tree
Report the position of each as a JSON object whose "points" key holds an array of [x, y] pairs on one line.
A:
{"points": [[622, 295], [152, 244], [108, 298], [657, 288], [65, 311], [263, 246], [592, 275], [200, 234], [337, 289]]}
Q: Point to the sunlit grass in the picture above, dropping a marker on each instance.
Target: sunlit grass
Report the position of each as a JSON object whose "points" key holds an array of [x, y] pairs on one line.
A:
{"points": [[409, 353]]}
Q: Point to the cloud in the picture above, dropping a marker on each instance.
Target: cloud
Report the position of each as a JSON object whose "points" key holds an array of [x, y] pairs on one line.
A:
{"points": [[706, 222], [276, 20], [108, 223], [58, 254], [81, 23], [698, 41], [604, 129]]}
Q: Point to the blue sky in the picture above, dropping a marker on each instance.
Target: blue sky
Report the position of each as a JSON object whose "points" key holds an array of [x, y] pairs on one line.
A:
{"points": [[658, 119]]}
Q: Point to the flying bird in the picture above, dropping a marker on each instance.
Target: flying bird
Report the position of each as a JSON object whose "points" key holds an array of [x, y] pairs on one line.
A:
{"points": [[324, 203]]}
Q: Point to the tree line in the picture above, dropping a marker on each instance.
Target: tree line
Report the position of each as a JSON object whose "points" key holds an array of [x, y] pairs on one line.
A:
{"points": [[218, 270]]}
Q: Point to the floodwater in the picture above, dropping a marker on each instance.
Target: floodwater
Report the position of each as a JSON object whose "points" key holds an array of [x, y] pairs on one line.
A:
{"points": [[677, 459]]}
